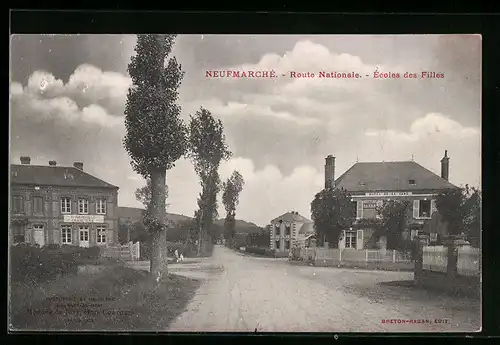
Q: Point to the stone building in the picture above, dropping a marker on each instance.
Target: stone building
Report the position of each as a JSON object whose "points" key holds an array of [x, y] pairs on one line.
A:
{"points": [[61, 205], [288, 229], [370, 184]]}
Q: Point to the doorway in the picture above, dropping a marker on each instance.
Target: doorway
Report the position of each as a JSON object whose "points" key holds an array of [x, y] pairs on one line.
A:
{"points": [[39, 234], [84, 236]]}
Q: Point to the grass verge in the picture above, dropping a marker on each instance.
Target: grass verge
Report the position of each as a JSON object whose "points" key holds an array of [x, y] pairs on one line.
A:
{"points": [[117, 299]]}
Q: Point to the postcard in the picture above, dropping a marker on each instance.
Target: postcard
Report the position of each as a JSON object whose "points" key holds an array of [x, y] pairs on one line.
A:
{"points": [[245, 183]]}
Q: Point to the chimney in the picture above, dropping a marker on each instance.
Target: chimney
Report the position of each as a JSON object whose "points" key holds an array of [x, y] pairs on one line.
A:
{"points": [[330, 172], [78, 165], [52, 163], [25, 160], [445, 166]]}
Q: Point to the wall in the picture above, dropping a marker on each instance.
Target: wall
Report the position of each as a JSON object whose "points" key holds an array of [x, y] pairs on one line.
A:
{"points": [[52, 218], [294, 234], [449, 278]]}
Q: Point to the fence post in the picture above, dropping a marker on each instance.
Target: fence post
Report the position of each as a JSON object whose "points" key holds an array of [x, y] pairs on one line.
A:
{"points": [[366, 255], [340, 256], [393, 255]]}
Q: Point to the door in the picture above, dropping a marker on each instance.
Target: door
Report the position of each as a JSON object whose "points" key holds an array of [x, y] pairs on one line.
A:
{"points": [[84, 236], [39, 234]]}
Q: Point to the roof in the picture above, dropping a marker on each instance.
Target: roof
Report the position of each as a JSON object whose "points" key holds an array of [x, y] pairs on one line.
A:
{"points": [[307, 228], [54, 176], [291, 217], [390, 176]]}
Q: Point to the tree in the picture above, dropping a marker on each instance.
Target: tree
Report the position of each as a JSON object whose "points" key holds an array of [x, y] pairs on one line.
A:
{"points": [[461, 208], [143, 195], [207, 148], [230, 198], [155, 134], [393, 222], [332, 211]]}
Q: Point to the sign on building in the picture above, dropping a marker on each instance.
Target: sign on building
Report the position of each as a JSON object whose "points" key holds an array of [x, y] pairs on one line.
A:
{"points": [[83, 218], [388, 193]]}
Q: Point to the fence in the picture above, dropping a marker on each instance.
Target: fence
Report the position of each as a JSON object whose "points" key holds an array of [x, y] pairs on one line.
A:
{"points": [[435, 258], [468, 261], [126, 252], [353, 255]]}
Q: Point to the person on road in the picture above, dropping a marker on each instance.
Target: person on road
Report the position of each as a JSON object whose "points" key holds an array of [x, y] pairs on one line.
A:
{"points": [[176, 255]]}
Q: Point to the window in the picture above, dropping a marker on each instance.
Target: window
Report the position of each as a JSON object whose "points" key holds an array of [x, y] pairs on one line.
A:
{"points": [[423, 208], [83, 206], [17, 204], [277, 247], [277, 231], [38, 205], [287, 244], [101, 234], [412, 182], [18, 233], [350, 239], [288, 229], [100, 206], [66, 205], [66, 234]]}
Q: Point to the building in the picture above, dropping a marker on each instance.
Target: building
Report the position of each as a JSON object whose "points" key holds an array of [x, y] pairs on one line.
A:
{"points": [[372, 183], [289, 229], [61, 205]]}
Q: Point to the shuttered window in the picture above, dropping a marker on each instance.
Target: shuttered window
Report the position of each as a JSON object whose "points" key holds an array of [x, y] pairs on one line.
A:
{"points": [[359, 241], [433, 207], [38, 205], [359, 209], [17, 204], [416, 208]]}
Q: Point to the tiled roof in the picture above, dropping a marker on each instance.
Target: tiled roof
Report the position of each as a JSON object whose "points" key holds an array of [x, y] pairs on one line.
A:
{"points": [[390, 176], [54, 176], [290, 217]]}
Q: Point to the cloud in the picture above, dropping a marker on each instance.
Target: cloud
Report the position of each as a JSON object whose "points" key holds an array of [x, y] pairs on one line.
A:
{"points": [[86, 86], [273, 191], [432, 125]]}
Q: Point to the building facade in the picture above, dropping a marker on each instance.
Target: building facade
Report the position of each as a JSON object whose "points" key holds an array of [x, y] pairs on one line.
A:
{"points": [[370, 184], [61, 205], [288, 230]]}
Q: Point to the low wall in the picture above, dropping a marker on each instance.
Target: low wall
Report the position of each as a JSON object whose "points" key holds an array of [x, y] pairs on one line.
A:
{"points": [[352, 258], [388, 266]]}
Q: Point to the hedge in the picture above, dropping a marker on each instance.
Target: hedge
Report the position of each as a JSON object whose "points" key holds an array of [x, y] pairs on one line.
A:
{"points": [[32, 263]]}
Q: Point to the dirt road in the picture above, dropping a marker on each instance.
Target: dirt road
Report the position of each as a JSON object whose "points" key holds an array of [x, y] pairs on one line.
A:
{"points": [[270, 295]]}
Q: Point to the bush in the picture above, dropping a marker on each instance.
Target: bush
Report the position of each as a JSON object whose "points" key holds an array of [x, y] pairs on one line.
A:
{"points": [[32, 263]]}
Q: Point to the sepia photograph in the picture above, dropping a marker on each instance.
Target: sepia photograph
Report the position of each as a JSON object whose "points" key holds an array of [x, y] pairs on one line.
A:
{"points": [[245, 183]]}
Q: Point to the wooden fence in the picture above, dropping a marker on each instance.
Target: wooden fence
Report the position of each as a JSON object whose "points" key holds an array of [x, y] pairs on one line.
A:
{"points": [[354, 255], [469, 261], [435, 258], [126, 252]]}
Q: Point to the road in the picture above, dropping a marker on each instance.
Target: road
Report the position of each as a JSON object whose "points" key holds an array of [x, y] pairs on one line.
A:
{"points": [[271, 295]]}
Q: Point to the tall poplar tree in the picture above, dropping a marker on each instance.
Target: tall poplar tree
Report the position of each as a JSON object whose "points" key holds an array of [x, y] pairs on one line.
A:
{"points": [[155, 133], [207, 148]]}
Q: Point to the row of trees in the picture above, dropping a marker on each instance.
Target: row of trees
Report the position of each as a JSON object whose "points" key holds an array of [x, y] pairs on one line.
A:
{"points": [[333, 211], [156, 138]]}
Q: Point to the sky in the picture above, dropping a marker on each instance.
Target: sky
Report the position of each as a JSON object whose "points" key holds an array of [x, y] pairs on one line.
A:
{"points": [[68, 95]]}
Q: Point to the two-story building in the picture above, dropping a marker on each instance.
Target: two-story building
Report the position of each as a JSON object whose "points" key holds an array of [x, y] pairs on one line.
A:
{"points": [[372, 183], [61, 205], [289, 228]]}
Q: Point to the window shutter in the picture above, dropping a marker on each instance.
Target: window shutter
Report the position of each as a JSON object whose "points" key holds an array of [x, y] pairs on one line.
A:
{"points": [[359, 209], [433, 206], [416, 208], [359, 240]]}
